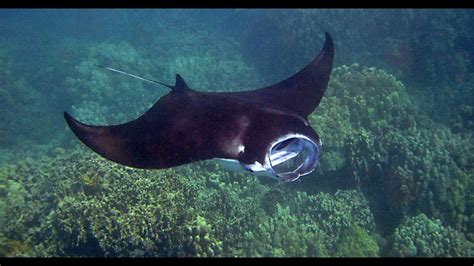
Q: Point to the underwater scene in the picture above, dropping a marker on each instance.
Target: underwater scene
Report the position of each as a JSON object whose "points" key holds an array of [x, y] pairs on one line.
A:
{"points": [[143, 132]]}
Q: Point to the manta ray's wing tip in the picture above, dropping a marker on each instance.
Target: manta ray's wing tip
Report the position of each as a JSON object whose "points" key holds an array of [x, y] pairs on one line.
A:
{"points": [[72, 123], [77, 128], [328, 36], [82, 131], [68, 118], [328, 42]]}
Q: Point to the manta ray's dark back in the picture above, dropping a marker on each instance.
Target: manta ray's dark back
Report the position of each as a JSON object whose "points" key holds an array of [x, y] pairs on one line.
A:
{"points": [[187, 125]]}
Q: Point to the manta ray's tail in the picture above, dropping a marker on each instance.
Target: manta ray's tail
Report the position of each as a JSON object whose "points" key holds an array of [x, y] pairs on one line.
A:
{"points": [[135, 76]]}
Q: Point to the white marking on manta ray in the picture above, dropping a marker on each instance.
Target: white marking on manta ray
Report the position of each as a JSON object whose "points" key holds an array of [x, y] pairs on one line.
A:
{"points": [[235, 146]]}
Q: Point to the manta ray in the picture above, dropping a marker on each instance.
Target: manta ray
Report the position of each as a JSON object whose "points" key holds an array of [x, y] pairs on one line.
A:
{"points": [[263, 131]]}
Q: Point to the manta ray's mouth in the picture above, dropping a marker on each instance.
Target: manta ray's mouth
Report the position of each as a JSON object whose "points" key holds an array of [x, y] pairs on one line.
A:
{"points": [[292, 156], [288, 158]]}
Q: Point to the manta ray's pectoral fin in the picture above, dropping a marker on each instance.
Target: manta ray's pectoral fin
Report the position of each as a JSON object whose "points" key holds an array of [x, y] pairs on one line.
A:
{"points": [[264, 131], [112, 142], [157, 139], [302, 92]]}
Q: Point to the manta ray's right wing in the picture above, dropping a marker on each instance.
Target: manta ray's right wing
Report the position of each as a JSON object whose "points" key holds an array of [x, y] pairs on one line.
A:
{"points": [[302, 92]]}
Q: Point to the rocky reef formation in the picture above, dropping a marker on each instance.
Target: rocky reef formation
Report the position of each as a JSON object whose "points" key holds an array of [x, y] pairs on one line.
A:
{"points": [[405, 162], [22, 107], [420, 236], [386, 162], [78, 204]]}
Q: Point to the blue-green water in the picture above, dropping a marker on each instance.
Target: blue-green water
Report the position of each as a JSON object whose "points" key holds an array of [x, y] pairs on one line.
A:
{"points": [[395, 174]]}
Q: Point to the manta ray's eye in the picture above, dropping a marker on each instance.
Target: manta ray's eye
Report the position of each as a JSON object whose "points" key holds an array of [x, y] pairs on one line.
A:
{"points": [[293, 156]]}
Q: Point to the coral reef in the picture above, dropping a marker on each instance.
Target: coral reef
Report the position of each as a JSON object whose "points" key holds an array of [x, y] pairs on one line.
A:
{"points": [[284, 235], [22, 108], [79, 204], [84, 217], [358, 243], [404, 161], [101, 97], [360, 103], [206, 60], [422, 237]]}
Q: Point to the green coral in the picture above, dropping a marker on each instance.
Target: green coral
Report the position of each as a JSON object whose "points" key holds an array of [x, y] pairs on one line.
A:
{"points": [[97, 208], [404, 161], [104, 209], [13, 202], [421, 236], [335, 214], [101, 97], [358, 243], [205, 64], [360, 104], [285, 235], [16, 247], [93, 222], [304, 225], [201, 242], [22, 108]]}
